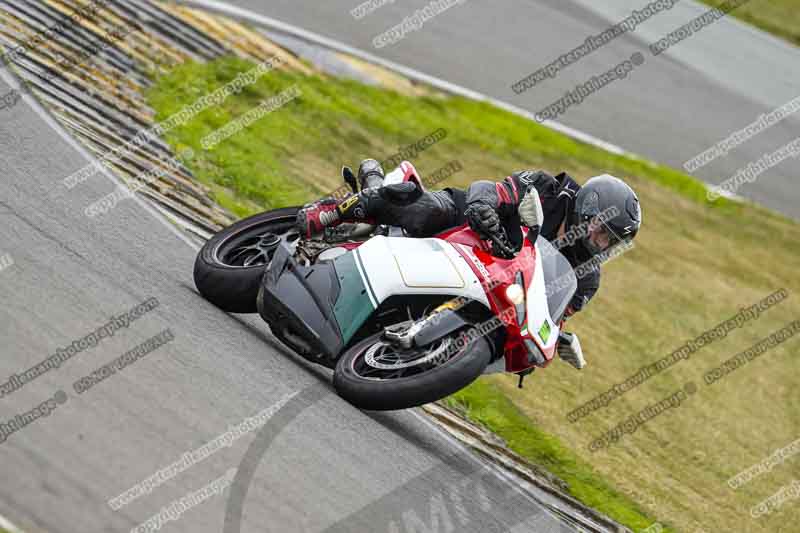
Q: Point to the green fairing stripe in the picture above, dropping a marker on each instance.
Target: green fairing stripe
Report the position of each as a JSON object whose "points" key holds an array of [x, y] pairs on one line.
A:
{"points": [[353, 307]]}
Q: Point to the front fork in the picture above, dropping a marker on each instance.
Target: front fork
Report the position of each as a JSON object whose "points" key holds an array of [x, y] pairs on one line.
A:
{"points": [[442, 321]]}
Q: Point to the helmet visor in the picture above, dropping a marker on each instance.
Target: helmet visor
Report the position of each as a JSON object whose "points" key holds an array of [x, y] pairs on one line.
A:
{"points": [[601, 237]]}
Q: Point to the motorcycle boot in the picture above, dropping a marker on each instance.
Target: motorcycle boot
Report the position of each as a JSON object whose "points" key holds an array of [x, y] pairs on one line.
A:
{"points": [[370, 174]]}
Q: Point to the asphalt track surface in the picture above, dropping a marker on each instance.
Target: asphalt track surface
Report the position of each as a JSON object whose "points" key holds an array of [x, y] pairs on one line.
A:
{"points": [[318, 465], [670, 109]]}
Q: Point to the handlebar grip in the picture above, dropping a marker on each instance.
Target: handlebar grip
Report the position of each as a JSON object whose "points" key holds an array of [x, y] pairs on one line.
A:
{"points": [[501, 241]]}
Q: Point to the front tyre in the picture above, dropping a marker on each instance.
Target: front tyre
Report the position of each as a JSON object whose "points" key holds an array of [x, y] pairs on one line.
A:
{"points": [[378, 376], [229, 267]]}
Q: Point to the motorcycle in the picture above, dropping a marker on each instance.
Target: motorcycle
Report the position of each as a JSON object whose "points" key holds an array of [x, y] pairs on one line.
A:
{"points": [[401, 321]]}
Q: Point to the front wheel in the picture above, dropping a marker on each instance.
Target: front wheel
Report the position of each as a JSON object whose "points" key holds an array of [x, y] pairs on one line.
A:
{"points": [[379, 376]]}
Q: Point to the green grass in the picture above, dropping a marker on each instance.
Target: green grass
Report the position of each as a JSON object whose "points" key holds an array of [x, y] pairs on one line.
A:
{"points": [[694, 265], [779, 17], [484, 403], [295, 153]]}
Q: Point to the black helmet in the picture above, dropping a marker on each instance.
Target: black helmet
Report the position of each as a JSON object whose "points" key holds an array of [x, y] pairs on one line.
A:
{"points": [[610, 203]]}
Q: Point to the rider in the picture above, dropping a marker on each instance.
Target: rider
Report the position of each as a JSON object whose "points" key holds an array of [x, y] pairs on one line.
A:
{"points": [[598, 216]]}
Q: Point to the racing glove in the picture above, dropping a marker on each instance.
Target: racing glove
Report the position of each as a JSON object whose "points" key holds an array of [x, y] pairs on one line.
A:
{"points": [[569, 350], [530, 213], [483, 219]]}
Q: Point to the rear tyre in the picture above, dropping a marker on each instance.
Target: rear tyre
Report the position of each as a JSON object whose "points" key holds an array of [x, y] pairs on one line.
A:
{"points": [[229, 268], [376, 376]]}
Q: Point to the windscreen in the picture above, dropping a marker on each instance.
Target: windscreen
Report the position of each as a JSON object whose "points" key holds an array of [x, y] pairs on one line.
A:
{"points": [[559, 279]]}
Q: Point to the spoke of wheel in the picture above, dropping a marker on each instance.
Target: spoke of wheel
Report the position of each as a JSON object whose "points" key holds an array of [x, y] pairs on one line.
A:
{"points": [[366, 370], [397, 374], [250, 261], [387, 359], [241, 250], [370, 371]]}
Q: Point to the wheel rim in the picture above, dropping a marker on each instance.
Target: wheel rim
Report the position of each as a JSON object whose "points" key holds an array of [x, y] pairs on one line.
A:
{"points": [[382, 361], [255, 245]]}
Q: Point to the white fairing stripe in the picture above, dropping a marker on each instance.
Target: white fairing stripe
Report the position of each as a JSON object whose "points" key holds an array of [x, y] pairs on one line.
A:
{"points": [[364, 279], [399, 265], [538, 310]]}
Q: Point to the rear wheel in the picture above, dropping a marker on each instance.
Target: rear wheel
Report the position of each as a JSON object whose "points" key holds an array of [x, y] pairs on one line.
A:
{"points": [[229, 268], [380, 376]]}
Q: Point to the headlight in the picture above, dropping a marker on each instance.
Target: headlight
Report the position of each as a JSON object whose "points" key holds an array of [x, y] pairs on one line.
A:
{"points": [[515, 294]]}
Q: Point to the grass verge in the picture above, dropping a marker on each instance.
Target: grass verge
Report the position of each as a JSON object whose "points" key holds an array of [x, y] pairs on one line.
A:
{"points": [[695, 264], [484, 403], [778, 17]]}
